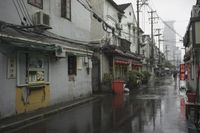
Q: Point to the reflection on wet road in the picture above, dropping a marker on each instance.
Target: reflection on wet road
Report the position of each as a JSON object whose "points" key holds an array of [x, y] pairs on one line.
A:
{"points": [[157, 108]]}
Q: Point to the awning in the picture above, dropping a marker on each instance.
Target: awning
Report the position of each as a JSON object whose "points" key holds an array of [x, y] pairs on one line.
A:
{"points": [[121, 62], [41, 45], [17, 36], [27, 43], [115, 51], [136, 64]]}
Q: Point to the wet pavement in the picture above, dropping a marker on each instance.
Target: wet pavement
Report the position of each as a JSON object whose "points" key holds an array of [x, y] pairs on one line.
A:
{"points": [[155, 108]]}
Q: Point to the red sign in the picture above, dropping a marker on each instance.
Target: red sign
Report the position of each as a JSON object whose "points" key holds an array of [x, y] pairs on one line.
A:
{"points": [[182, 72]]}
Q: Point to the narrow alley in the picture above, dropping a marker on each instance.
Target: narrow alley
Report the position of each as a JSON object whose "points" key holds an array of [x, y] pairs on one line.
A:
{"points": [[99, 66], [158, 108]]}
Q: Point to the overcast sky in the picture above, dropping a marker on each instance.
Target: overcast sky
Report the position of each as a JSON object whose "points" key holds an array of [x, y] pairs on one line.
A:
{"points": [[178, 10]]}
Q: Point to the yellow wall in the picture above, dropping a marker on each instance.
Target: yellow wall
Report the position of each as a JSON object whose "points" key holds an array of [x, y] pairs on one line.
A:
{"points": [[37, 97]]}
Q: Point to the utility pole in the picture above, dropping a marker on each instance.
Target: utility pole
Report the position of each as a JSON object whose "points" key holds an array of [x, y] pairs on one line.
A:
{"points": [[152, 20], [159, 44], [174, 58], [166, 51], [139, 5], [138, 25]]}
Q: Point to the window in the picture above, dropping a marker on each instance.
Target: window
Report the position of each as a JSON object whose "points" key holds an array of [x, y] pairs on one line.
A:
{"points": [[66, 9], [72, 65], [32, 68], [36, 3]]}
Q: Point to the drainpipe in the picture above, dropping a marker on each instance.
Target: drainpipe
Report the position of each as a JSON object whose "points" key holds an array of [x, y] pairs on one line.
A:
{"points": [[198, 74], [101, 63]]}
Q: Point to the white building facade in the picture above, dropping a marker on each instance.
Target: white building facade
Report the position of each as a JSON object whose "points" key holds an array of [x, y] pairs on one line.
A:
{"points": [[113, 29], [129, 25], [43, 54]]}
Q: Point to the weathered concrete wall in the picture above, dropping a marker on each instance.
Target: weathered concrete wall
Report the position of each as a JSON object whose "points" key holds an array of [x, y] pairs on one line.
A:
{"points": [[130, 32], [61, 88], [97, 32], [58, 78], [105, 65], [78, 28], [7, 88], [110, 14]]}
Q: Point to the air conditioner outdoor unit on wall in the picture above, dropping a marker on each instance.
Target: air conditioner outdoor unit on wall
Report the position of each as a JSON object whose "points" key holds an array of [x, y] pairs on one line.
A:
{"points": [[41, 18], [195, 11]]}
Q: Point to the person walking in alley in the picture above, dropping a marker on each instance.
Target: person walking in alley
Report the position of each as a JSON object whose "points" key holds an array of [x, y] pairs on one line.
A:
{"points": [[175, 75]]}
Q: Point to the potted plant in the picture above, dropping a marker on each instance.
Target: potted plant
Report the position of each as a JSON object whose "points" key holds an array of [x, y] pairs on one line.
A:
{"points": [[107, 82]]}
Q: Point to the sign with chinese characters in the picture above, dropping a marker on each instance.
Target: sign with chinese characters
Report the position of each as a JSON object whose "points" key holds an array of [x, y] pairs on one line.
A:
{"points": [[11, 68], [182, 72], [36, 3]]}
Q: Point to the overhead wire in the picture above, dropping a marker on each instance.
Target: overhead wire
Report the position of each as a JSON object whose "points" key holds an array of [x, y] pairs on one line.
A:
{"points": [[26, 10], [22, 12], [104, 23], [96, 16], [172, 29], [76, 42], [22, 30], [15, 5]]}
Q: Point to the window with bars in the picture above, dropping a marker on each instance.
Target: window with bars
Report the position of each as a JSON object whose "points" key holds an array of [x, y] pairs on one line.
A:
{"points": [[66, 9], [36, 3], [72, 65]]}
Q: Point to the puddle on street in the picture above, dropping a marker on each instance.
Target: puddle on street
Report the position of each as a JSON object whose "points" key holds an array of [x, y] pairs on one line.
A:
{"points": [[155, 109], [146, 97]]}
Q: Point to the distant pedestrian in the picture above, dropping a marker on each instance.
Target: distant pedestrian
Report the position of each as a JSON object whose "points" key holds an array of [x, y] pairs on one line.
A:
{"points": [[175, 75]]}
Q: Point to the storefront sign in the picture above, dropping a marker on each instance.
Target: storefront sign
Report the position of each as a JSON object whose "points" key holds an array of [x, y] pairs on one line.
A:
{"points": [[121, 62], [11, 68], [182, 72]]}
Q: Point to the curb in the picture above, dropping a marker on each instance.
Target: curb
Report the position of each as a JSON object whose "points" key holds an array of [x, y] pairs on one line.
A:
{"points": [[37, 117]]}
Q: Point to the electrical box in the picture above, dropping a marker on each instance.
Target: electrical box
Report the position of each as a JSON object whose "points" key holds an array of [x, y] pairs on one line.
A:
{"points": [[60, 53]]}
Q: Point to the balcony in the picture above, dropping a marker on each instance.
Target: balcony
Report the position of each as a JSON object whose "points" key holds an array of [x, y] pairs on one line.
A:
{"points": [[124, 45]]}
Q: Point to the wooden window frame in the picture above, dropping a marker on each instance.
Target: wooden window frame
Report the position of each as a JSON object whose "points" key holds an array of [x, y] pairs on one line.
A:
{"points": [[64, 9], [72, 65], [36, 4]]}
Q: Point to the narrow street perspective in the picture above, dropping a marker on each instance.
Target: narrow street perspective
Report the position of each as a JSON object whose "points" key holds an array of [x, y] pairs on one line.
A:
{"points": [[156, 108], [99, 66]]}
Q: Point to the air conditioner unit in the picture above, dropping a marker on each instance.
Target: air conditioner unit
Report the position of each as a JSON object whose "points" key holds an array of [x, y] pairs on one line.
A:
{"points": [[119, 26], [41, 18], [60, 53], [195, 11]]}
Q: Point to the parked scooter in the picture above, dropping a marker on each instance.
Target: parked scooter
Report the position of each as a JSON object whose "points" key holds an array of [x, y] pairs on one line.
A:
{"points": [[126, 89]]}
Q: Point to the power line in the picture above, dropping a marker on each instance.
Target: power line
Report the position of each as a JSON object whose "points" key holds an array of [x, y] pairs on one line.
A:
{"points": [[100, 19], [22, 12], [26, 10], [15, 5], [172, 29]]}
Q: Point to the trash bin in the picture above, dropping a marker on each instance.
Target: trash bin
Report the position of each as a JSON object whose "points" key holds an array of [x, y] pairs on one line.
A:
{"points": [[118, 86]]}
